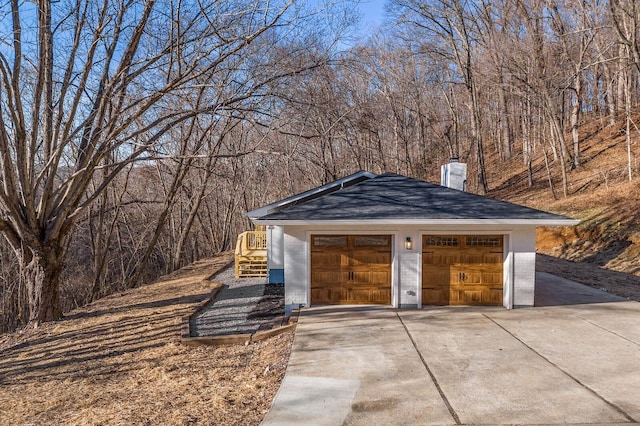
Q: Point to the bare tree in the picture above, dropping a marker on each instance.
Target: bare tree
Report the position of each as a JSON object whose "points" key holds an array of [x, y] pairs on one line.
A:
{"points": [[626, 18], [448, 32], [93, 87], [493, 24]]}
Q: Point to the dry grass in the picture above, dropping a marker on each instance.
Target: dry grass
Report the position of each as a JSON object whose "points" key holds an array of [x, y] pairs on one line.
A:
{"points": [[119, 361], [603, 171], [600, 195]]}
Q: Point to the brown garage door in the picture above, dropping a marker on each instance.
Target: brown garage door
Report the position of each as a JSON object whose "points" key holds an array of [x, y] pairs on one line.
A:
{"points": [[462, 269], [350, 269]]}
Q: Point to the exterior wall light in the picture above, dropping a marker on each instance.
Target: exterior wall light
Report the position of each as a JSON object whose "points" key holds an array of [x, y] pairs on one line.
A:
{"points": [[408, 244]]}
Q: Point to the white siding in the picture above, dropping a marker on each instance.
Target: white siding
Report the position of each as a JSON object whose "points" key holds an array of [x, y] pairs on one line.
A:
{"points": [[275, 245], [296, 267], [524, 266], [507, 297], [408, 269], [519, 272]]}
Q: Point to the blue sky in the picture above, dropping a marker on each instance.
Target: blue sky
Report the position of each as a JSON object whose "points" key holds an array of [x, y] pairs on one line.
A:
{"points": [[373, 12]]}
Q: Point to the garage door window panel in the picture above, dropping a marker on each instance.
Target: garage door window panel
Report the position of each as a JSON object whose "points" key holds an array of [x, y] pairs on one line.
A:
{"points": [[333, 241], [444, 241], [371, 241]]}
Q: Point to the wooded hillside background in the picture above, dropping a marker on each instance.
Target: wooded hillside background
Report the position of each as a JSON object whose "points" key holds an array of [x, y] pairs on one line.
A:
{"points": [[135, 135]]}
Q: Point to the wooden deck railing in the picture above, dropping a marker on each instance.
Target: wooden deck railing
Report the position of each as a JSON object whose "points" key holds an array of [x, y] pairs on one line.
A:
{"points": [[251, 254], [256, 240]]}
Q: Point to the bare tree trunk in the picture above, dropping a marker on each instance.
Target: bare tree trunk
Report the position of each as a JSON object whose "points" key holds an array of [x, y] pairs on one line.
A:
{"points": [[507, 136], [627, 102], [527, 141], [549, 177], [100, 244], [557, 135], [43, 271], [575, 120], [621, 84], [185, 228], [610, 99], [134, 277], [482, 172]]}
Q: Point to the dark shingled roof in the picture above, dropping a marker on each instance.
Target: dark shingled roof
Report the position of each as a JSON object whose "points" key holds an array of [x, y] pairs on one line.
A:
{"points": [[395, 197]]}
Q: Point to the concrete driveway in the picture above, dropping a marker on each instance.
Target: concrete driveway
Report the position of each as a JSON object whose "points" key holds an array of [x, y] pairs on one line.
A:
{"points": [[556, 364]]}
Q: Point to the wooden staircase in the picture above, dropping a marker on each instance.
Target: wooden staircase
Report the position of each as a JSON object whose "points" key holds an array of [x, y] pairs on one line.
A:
{"points": [[251, 253]]}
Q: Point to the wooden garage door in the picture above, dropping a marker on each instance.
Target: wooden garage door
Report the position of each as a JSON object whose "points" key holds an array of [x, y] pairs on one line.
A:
{"points": [[350, 269], [462, 269]]}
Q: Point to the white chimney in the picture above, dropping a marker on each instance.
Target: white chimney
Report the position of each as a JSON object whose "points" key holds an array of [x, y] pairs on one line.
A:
{"points": [[454, 175]]}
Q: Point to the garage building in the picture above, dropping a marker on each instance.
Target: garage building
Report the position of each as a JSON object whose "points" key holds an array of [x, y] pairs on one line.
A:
{"points": [[392, 240]]}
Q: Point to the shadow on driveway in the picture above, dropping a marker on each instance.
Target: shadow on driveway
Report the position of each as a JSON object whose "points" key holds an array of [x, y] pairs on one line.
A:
{"points": [[552, 290]]}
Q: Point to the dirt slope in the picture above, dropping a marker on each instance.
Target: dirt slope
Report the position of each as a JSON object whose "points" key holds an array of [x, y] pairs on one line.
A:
{"points": [[600, 195], [119, 361]]}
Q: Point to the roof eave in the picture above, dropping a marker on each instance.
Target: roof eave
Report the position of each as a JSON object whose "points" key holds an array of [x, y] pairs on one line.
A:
{"points": [[361, 222]]}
